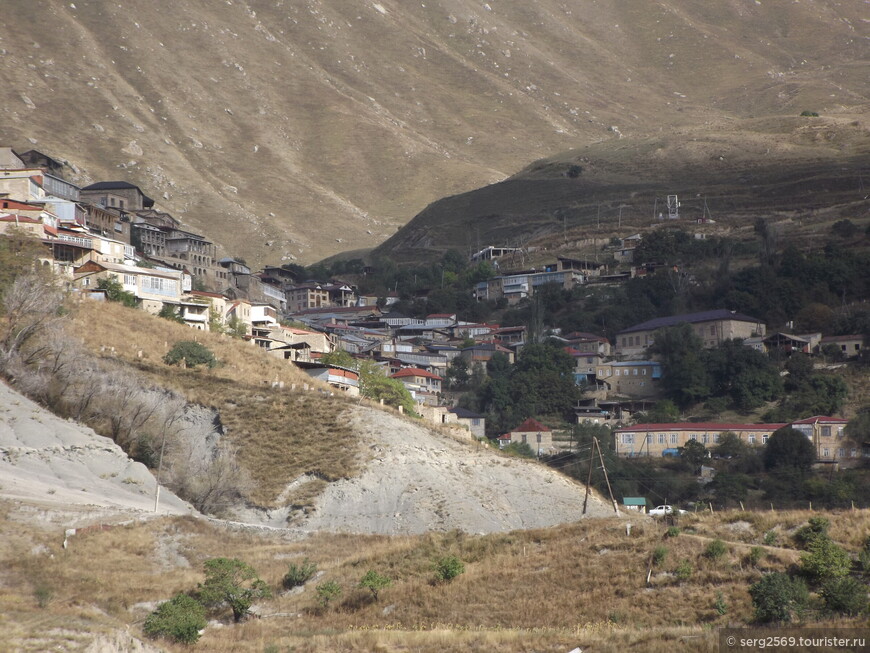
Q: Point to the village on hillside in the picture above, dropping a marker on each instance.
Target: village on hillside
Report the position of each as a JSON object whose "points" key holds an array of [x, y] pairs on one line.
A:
{"points": [[109, 238]]}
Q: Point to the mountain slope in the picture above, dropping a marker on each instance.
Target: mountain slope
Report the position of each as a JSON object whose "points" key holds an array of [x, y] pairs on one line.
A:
{"points": [[312, 126]]}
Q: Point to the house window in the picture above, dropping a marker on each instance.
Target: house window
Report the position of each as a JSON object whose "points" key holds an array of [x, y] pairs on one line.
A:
{"points": [[673, 438], [129, 280], [635, 371], [841, 453], [628, 438], [826, 431], [751, 438], [705, 438], [764, 438], [525, 439], [617, 372], [694, 436], [713, 330], [661, 438], [539, 438], [853, 453], [826, 452], [715, 437], [643, 372]]}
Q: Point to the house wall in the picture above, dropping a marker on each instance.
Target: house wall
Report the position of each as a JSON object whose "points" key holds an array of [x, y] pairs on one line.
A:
{"points": [[540, 441], [711, 333], [642, 442]]}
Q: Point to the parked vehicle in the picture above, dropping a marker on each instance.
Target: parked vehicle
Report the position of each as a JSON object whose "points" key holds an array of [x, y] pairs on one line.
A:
{"points": [[661, 511]]}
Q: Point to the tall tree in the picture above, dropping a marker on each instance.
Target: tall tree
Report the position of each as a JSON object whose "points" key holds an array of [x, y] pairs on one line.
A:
{"points": [[685, 376]]}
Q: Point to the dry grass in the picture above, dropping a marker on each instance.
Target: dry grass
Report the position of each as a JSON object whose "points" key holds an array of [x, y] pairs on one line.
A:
{"points": [[282, 433], [578, 585]]}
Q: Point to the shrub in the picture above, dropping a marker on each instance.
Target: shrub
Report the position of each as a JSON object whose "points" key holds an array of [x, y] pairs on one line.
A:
{"points": [[327, 592], [448, 568], [825, 560], [810, 114], [115, 292], [43, 594], [168, 312], [778, 597], [684, 570], [374, 582], [659, 555], [191, 352], [673, 531], [299, 574], [179, 619], [770, 538], [521, 449], [719, 605], [845, 595], [231, 581], [715, 549], [756, 553], [815, 527]]}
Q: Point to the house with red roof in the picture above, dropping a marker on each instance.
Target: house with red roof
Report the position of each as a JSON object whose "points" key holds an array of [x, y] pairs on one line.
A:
{"points": [[424, 386], [531, 432]]}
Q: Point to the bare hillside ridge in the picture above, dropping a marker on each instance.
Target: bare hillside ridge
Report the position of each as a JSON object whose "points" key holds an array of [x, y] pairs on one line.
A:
{"points": [[297, 130]]}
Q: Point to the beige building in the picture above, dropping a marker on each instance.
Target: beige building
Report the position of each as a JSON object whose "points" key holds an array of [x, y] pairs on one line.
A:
{"points": [[152, 287], [829, 438], [538, 436], [662, 439], [712, 327]]}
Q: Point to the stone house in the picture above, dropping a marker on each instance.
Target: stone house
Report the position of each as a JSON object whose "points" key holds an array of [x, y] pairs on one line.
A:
{"points": [[654, 439], [712, 327], [829, 438], [531, 432], [116, 194]]}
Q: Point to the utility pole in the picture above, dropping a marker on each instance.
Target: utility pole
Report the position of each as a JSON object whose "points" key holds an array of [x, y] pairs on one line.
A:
{"points": [[589, 477], [606, 479]]}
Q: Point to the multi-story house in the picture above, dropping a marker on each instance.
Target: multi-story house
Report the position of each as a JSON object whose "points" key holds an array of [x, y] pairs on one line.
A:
{"points": [[116, 194], [663, 439], [829, 438], [712, 327], [152, 287]]}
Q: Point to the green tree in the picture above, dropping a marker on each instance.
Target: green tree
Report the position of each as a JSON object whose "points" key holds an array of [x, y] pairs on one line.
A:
{"points": [[845, 595], [789, 448], [825, 560], [729, 488], [328, 591], [374, 582], [179, 619], [745, 375], [231, 581], [457, 376], [115, 292], [191, 352], [693, 454], [685, 377], [542, 381], [448, 568], [779, 598], [169, 312], [664, 411]]}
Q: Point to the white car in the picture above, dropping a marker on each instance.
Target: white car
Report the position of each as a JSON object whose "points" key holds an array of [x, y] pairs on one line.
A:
{"points": [[661, 511]]}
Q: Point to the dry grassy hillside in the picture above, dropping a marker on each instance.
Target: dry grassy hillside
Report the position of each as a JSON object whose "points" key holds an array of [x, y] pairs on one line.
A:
{"points": [[288, 129], [546, 590], [280, 433]]}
